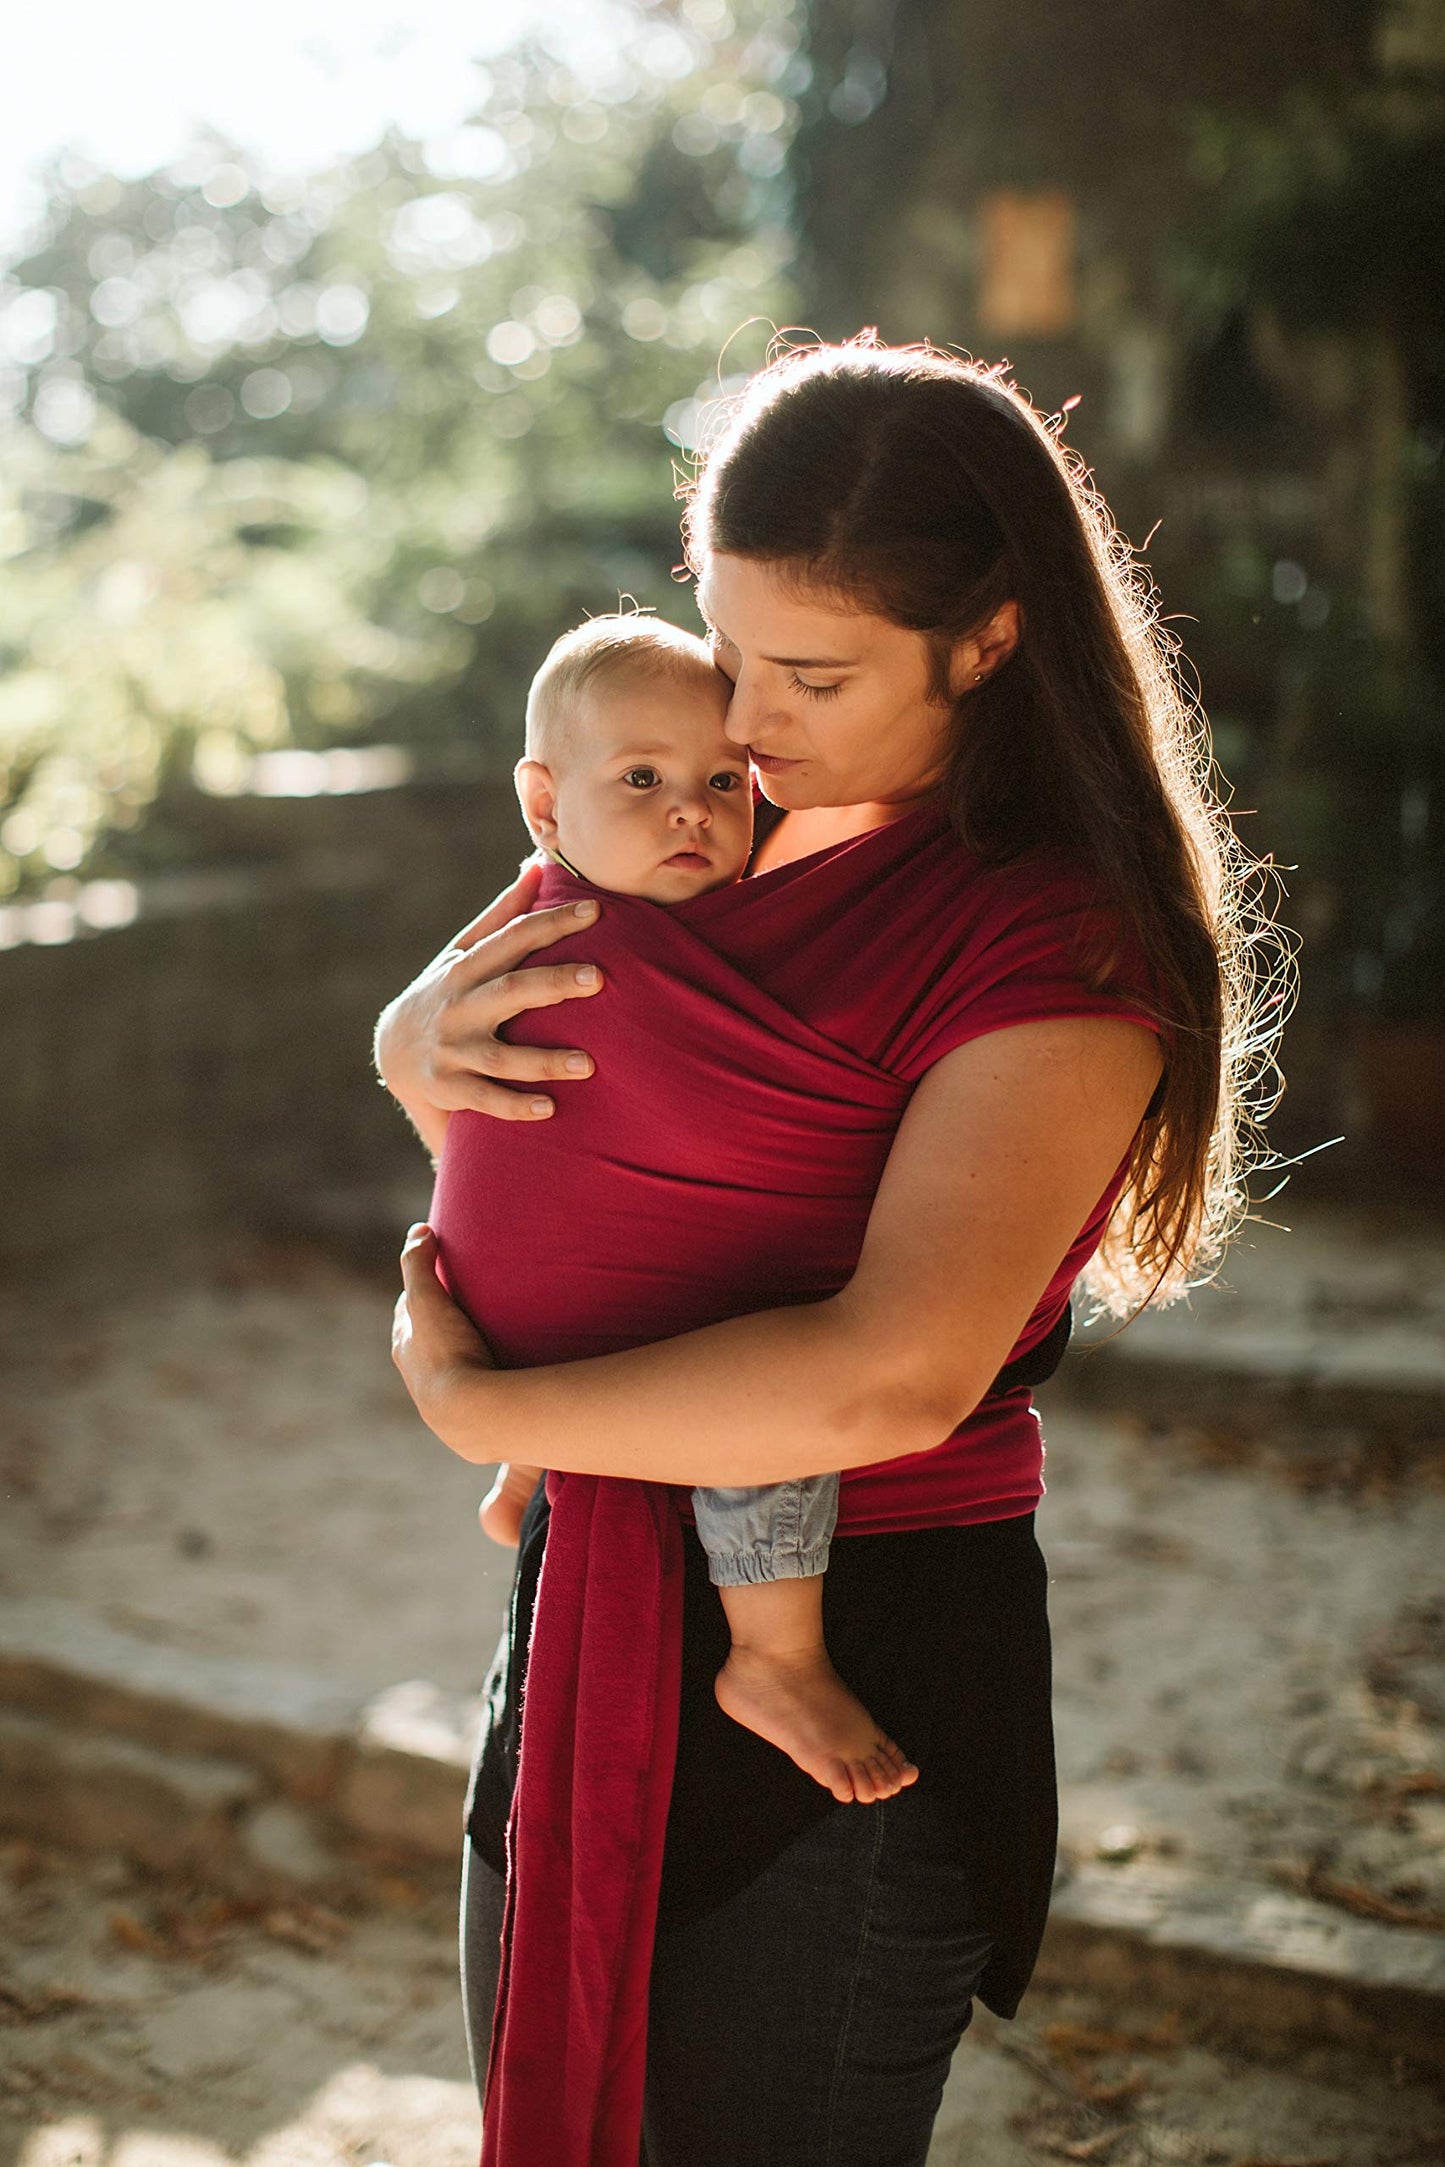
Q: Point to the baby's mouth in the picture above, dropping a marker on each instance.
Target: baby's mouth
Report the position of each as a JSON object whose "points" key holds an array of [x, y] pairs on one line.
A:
{"points": [[689, 857]]}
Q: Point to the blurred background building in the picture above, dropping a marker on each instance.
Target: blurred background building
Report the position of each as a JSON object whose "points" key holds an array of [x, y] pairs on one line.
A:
{"points": [[305, 461]]}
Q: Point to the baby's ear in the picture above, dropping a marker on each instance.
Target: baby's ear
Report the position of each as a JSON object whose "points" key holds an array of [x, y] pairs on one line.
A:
{"points": [[537, 796]]}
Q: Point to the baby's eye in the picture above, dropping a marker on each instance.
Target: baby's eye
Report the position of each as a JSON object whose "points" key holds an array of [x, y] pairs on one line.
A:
{"points": [[648, 774], [725, 779]]}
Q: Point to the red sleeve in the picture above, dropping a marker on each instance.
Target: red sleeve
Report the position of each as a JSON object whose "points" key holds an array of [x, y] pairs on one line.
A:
{"points": [[1038, 941]]}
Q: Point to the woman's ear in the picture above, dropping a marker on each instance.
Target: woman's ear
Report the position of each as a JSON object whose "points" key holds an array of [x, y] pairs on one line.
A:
{"points": [[976, 658], [538, 797]]}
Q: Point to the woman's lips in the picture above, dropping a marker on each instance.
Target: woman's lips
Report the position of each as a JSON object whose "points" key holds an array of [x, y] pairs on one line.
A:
{"points": [[769, 763]]}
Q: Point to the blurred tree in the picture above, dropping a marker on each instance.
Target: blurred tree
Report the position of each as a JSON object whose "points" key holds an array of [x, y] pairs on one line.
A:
{"points": [[1325, 217], [1259, 347], [293, 459]]}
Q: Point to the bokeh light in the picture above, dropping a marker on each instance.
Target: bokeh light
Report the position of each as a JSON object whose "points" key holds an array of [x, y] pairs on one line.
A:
{"points": [[309, 453]]}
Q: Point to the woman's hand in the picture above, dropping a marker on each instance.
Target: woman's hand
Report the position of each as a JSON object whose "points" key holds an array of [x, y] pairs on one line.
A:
{"points": [[436, 1043], [442, 1357]]}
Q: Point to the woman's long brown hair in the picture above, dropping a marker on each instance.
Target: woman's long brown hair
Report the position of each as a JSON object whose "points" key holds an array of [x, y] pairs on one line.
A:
{"points": [[927, 489]]}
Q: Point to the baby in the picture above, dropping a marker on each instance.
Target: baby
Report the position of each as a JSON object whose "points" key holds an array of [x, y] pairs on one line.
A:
{"points": [[629, 781]]}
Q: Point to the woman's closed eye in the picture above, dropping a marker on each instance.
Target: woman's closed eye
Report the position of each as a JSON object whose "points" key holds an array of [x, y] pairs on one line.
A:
{"points": [[814, 692]]}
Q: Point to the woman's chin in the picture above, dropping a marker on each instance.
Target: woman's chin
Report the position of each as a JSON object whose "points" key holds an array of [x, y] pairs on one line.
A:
{"points": [[791, 793]]}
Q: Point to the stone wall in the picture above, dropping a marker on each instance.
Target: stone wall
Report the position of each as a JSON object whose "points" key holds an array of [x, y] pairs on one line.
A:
{"points": [[209, 1064]]}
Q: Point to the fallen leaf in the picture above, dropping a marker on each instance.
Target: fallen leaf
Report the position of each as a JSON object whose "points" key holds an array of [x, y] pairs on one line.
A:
{"points": [[313, 1929], [395, 1890], [1411, 1784], [43, 2001], [1087, 2148], [1366, 1904], [1112, 2095], [1162, 2038], [1268, 2159], [133, 1933]]}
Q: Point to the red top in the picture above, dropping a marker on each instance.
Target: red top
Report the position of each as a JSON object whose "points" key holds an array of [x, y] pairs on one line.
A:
{"points": [[755, 1050]]}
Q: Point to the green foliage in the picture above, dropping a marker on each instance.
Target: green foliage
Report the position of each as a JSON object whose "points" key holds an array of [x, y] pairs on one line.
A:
{"points": [[298, 460]]}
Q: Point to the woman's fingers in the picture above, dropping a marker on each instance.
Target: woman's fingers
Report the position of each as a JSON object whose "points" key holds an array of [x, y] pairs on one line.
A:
{"points": [[419, 1264], [437, 1046], [490, 988], [429, 1331], [422, 1296], [491, 950], [441, 1355], [462, 1072]]}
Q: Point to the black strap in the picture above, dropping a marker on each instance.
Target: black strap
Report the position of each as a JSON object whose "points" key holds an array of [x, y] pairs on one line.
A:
{"points": [[766, 816], [1040, 1361]]}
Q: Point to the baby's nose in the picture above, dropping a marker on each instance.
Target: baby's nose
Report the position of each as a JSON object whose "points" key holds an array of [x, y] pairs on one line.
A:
{"points": [[689, 810]]}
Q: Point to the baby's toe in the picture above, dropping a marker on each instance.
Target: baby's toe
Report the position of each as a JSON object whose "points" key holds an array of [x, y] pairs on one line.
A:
{"points": [[840, 1782], [871, 1780], [894, 1761]]}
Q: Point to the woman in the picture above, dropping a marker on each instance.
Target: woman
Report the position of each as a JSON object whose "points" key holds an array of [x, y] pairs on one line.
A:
{"points": [[940, 652]]}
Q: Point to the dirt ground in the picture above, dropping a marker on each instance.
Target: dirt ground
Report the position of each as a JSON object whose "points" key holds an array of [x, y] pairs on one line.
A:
{"points": [[234, 1467], [1249, 1649], [143, 2025], [1249, 1675]]}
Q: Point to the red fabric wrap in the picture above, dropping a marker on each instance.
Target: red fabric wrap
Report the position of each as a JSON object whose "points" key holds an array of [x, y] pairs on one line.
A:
{"points": [[755, 1050]]}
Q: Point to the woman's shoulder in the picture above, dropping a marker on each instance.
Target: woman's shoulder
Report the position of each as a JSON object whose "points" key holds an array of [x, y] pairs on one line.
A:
{"points": [[1017, 940], [1044, 893]]}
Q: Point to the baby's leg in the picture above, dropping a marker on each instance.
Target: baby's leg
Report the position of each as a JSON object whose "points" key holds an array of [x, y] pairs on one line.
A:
{"points": [[767, 1549], [501, 1509]]}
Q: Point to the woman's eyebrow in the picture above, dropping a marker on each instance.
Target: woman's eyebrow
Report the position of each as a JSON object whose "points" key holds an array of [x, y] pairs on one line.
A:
{"points": [[811, 662]]}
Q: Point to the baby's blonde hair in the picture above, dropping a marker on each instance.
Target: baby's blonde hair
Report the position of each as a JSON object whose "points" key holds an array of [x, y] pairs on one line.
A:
{"points": [[628, 648]]}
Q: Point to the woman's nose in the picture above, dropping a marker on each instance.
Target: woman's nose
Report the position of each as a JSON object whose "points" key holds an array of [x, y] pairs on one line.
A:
{"points": [[738, 724]]}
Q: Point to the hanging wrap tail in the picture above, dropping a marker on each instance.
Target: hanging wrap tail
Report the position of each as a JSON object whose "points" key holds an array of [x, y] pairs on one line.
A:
{"points": [[569, 2034]]}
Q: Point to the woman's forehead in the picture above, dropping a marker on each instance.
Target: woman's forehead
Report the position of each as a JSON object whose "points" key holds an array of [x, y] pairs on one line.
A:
{"points": [[771, 607]]}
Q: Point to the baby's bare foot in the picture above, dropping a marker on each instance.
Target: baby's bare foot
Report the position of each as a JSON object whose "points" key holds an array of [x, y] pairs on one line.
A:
{"points": [[801, 1705], [501, 1510]]}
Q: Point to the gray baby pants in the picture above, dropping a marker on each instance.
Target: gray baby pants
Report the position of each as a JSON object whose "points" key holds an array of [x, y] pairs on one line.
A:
{"points": [[778, 1532]]}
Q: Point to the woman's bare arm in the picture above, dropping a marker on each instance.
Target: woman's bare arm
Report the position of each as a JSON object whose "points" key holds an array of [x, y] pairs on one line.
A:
{"points": [[1005, 1148], [436, 1043]]}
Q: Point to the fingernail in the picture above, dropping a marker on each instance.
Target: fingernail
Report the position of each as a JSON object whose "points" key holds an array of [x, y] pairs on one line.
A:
{"points": [[587, 975], [584, 910], [541, 1106], [576, 1064]]}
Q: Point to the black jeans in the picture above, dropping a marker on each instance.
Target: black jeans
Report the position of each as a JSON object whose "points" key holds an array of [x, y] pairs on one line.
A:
{"points": [[810, 2020]]}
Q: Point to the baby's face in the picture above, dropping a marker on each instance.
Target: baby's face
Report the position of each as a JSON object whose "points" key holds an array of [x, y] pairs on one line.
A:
{"points": [[651, 799]]}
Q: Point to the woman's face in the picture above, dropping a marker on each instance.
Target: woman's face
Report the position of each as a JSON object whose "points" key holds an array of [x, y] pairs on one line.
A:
{"points": [[831, 702]]}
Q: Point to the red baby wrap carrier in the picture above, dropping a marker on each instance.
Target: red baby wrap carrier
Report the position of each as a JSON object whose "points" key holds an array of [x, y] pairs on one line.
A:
{"points": [[723, 1158]]}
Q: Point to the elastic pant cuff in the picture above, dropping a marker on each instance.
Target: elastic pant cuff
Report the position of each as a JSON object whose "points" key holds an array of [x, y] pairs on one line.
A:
{"points": [[751, 1568]]}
